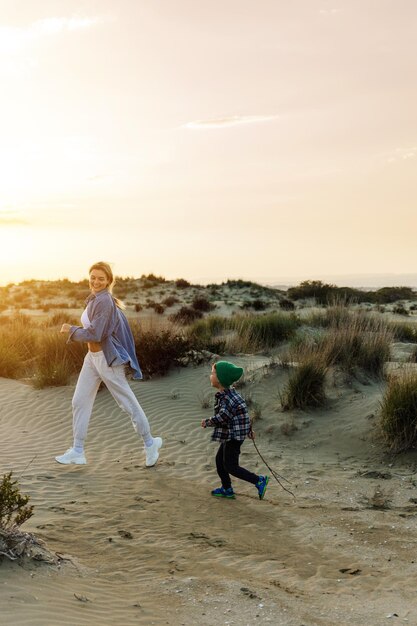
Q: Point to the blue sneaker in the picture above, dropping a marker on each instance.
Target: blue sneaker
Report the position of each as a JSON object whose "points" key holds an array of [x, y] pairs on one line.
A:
{"points": [[221, 492], [261, 486]]}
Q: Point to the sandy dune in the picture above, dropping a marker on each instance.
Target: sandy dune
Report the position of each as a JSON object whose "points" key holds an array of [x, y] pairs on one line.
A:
{"points": [[151, 546]]}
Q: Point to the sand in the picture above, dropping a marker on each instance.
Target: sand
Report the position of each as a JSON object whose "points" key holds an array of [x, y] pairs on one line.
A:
{"points": [[151, 546]]}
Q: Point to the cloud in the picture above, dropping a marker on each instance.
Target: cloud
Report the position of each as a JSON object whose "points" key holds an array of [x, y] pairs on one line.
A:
{"points": [[14, 39], [402, 154], [225, 122]]}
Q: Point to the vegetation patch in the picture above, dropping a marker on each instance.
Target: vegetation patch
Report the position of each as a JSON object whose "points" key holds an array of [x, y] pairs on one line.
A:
{"points": [[306, 385], [14, 511], [398, 421]]}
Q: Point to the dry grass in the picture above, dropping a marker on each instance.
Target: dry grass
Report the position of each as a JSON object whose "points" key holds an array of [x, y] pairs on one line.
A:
{"points": [[398, 422], [305, 386]]}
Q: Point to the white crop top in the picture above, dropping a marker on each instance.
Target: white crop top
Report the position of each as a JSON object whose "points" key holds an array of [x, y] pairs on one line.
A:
{"points": [[84, 319]]}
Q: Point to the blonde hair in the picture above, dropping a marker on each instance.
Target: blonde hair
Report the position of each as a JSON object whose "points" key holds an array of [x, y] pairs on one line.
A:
{"points": [[105, 267]]}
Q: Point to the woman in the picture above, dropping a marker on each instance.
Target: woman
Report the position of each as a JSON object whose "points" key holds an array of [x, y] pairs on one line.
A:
{"points": [[110, 350]]}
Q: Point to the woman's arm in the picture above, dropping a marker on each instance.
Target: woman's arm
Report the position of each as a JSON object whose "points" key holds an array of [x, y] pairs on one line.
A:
{"points": [[101, 316]]}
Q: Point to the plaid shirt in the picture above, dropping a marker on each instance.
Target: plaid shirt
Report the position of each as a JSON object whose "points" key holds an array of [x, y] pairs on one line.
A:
{"points": [[231, 418]]}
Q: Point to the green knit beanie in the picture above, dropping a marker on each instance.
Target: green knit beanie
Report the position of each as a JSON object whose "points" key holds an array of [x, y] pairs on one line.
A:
{"points": [[227, 373]]}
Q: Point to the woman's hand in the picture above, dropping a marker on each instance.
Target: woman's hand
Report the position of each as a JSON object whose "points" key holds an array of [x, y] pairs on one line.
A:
{"points": [[65, 328]]}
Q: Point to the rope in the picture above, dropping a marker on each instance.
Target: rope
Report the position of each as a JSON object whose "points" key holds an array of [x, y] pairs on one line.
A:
{"points": [[274, 474]]}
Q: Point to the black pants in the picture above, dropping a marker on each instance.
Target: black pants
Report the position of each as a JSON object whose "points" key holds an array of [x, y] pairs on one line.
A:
{"points": [[227, 462]]}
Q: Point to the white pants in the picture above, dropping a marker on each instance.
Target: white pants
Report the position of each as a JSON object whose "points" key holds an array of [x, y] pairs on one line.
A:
{"points": [[93, 371]]}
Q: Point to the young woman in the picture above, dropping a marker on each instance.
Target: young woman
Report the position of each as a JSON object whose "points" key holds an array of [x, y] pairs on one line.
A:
{"points": [[110, 350]]}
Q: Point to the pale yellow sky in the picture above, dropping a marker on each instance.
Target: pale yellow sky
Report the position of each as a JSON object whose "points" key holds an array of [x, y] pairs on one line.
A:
{"points": [[208, 140]]}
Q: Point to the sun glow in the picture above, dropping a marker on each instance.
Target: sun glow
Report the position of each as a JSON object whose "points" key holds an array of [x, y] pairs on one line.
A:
{"points": [[17, 248]]}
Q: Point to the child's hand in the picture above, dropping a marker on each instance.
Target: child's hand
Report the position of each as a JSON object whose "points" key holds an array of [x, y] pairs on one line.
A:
{"points": [[203, 424], [251, 434]]}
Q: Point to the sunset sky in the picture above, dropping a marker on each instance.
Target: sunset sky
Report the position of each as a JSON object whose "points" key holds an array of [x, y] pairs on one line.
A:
{"points": [[208, 140]]}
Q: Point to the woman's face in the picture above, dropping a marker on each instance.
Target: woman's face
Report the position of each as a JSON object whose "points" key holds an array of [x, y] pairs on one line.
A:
{"points": [[98, 281]]}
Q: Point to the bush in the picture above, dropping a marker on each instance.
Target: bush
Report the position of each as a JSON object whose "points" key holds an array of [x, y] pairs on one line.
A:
{"points": [[256, 305], [286, 305], [202, 304], [305, 387], [181, 283], [170, 301], [386, 295], [158, 308], [185, 315], [14, 511], [14, 508], [399, 309], [159, 351], [352, 348], [403, 331], [268, 330], [151, 278], [204, 334], [242, 333], [354, 340], [399, 412]]}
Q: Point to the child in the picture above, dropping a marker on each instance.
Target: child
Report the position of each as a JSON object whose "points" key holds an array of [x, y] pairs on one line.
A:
{"points": [[231, 426]]}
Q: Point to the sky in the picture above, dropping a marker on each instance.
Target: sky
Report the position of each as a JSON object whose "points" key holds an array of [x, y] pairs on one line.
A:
{"points": [[208, 140]]}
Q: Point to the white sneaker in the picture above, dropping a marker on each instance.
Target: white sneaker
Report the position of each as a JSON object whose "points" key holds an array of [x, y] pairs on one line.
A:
{"points": [[152, 453], [70, 456]]}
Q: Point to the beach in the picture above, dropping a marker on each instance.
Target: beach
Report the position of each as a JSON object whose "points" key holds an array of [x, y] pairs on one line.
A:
{"points": [[144, 545]]}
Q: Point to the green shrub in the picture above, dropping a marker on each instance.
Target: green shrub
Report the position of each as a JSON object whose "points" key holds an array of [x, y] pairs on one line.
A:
{"points": [[353, 340], [202, 304], [185, 315], [403, 331], [286, 305], [305, 386], [181, 283], [14, 508], [151, 278], [158, 351], [266, 331], [170, 301], [399, 309], [355, 347], [205, 334], [399, 412]]}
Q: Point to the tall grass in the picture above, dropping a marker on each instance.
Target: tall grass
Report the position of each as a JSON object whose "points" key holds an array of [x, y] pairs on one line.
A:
{"points": [[243, 333], [353, 340], [398, 422], [56, 361], [267, 330], [355, 347], [306, 385], [404, 331], [17, 347]]}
